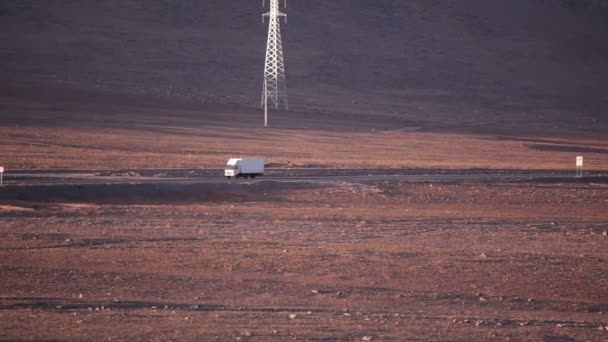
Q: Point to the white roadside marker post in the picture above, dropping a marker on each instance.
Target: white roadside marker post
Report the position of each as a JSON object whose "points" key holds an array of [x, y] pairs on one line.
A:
{"points": [[1, 175], [579, 166]]}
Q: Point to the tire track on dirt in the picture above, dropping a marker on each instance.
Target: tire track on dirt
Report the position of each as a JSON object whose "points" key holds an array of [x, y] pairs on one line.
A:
{"points": [[71, 305]]}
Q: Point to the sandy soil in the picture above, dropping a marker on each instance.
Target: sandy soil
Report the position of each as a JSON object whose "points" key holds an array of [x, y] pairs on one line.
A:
{"points": [[333, 261], [345, 261], [86, 131], [149, 84], [465, 63]]}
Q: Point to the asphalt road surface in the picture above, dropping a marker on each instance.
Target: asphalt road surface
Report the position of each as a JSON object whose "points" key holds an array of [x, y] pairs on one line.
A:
{"points": [[186, 176]]}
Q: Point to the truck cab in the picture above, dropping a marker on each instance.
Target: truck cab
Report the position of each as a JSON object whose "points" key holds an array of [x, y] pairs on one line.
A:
{"points": [[244, 167]]}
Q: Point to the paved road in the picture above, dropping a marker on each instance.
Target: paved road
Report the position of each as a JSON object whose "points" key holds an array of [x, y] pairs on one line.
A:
{"points": [[187, 176]]}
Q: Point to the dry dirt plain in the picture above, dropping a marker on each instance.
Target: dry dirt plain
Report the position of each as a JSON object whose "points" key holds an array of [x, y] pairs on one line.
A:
{"points": [[268, 260], [343, 261], [101, 85], [46, 129]]}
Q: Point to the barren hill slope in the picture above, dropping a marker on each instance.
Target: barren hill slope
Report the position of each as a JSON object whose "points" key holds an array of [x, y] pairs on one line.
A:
{"points": [[441, 61]]}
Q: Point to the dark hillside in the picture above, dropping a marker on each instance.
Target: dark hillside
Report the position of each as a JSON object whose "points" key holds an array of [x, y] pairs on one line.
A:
{"points": [[425, 59]]}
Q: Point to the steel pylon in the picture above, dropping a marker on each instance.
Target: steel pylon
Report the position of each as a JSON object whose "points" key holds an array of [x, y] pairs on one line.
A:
{"points": [[274, 89]]}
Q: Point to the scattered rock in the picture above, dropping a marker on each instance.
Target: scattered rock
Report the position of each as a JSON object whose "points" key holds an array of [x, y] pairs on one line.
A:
{"points": [[483, 255], [366, 338], [293, 316], [246, 333], [315, 291], [80, 296], [605, 233], [483, 299], [530, 300]]}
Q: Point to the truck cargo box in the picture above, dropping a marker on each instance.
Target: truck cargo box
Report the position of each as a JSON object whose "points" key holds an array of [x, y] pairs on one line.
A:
{"points": [[244, 167]]}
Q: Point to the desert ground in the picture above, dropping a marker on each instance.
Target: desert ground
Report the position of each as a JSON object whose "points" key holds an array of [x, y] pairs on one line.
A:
{"points": [[340, 261], [421, 187], [297, 258]]}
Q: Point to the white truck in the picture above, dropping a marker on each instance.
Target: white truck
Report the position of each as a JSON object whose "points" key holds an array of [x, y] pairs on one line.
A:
{"points": [[244, 167]]}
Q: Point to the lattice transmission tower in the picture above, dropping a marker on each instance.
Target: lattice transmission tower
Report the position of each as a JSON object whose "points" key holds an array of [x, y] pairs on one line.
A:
{"points": [[274, 89]]}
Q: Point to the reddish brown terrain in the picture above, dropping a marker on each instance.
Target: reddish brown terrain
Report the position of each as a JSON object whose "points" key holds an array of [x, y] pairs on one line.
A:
{"points": [[421, 187], [342, 261]]}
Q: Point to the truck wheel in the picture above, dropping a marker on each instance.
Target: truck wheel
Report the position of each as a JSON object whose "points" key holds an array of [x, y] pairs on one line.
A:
{"points": [[228, 177], [253, 177]]}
